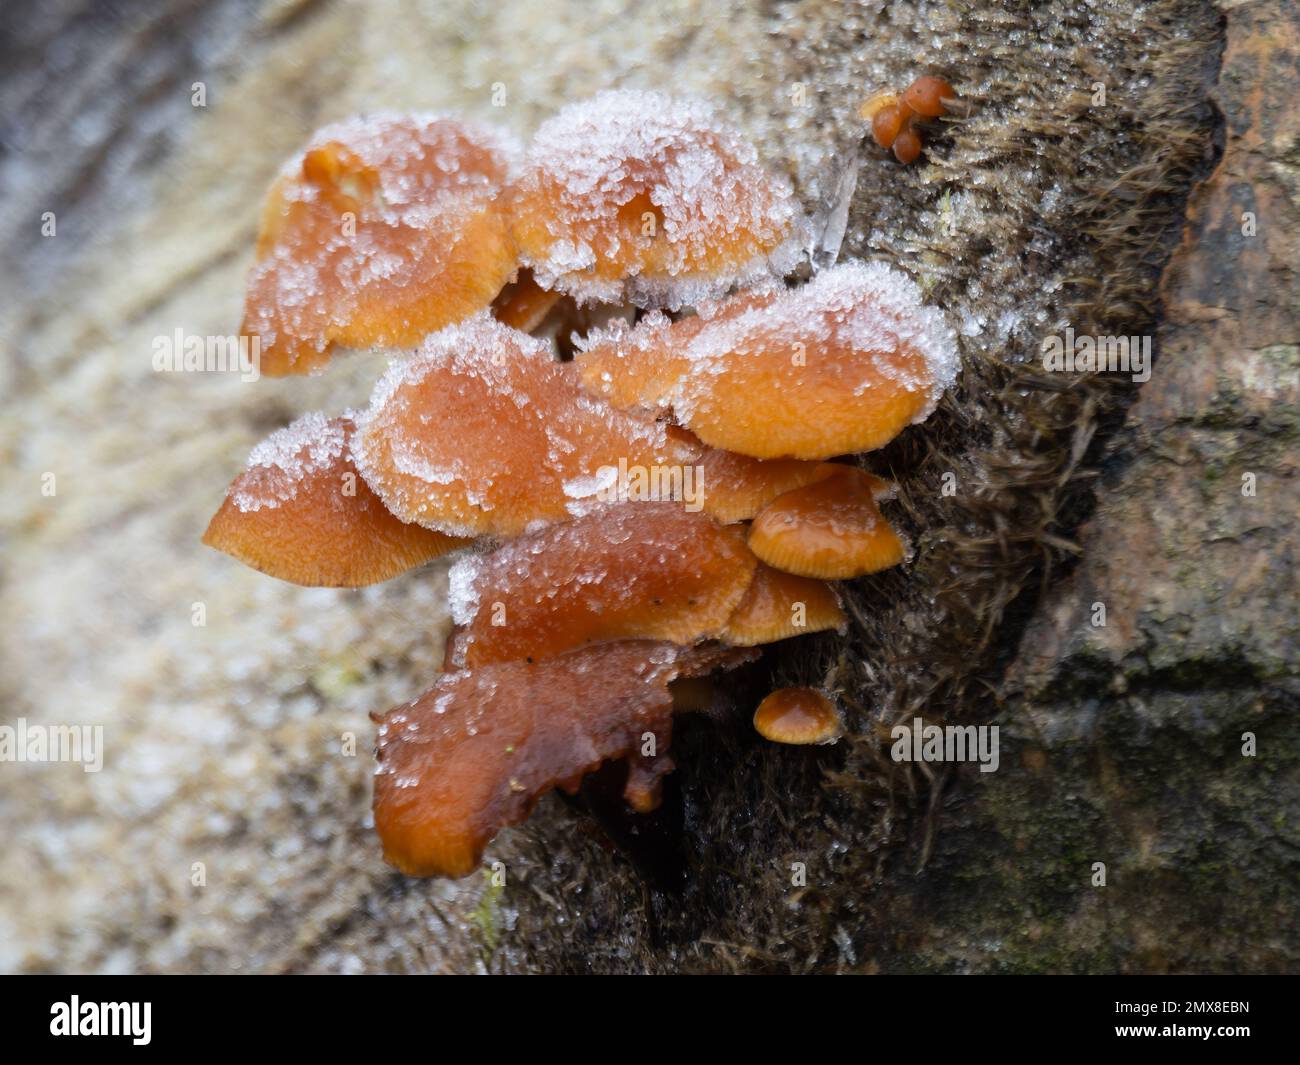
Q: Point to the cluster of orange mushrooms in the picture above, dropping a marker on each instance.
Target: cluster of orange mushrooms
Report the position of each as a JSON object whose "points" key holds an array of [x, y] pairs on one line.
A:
{"points": [[895, 120], [593, 594]]}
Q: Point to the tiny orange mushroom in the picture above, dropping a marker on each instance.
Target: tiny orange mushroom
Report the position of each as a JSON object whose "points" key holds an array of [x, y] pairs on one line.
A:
{"points": [[887, 115], [832, 530], [907, 146], [893, 119], [779, 605], [384, 229], [839, 365], [300, 512], [638, 196], [626, 571], [928, 96], [799, 716], [484, 433], [475, 752]]}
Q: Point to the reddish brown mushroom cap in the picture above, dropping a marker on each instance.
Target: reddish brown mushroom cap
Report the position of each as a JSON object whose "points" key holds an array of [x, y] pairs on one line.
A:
{"points": [[779, 605], [832, 530], [887, 116], [382, 230], [839, 365], [475, 752], [639, 196], [799, 716], [300, 512], [907, 146], [928, 96], [626, 571], [484, 433]]}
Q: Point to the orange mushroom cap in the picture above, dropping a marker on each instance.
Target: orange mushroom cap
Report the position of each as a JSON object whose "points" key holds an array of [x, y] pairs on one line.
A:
{"points": [[887, 116], [484, 433], [636, 367], [927, 95], [639, 196], [301, 512], [832, 530], [383, 229], [626, 571], [779, 605], [735, 487], [475, 752], [797, 715], [907, 146], [839, 365]]}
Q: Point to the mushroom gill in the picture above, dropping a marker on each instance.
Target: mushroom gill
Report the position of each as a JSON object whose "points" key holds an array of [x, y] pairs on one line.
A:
{"points": [[300, 512], [381, 230], [475, 752]]}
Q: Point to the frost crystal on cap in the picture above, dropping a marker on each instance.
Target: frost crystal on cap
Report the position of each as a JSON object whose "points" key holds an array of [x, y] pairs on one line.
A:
{"points": [[280, 463], [836, 366], [636, 195], [484, 433], [300, 512], [383, 229]]}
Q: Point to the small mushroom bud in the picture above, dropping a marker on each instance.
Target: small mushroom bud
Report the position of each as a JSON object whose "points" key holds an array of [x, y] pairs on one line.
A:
{"points": [[927, 95], [888, 124], [799, 716], [907, 146]]}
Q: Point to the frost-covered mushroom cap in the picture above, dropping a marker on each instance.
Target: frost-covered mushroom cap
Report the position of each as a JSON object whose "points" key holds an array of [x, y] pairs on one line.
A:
{"points": [[647, 570], [475, 752], [836, 366], [381, 230], [300, 512], [482, 432], [641, 196]]}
